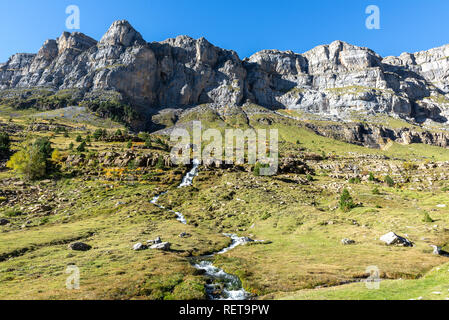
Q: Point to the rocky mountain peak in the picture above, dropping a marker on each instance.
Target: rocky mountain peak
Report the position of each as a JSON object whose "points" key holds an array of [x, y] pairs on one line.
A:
{"points": [[49, 50], [331, 80], [122, 33], [76, 40]]}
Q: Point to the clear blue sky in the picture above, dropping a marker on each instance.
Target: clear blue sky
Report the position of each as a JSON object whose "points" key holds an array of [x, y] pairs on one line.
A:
{"points": [[245, 26]]}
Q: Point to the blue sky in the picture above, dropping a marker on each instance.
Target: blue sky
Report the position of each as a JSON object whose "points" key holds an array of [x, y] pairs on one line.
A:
{"points": [[244, 26]]}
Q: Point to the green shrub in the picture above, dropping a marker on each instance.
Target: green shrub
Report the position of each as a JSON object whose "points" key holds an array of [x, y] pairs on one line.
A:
{"points": [[144, 136], [257, 167], [29, 162], [129, 145], [5, 144], [427, 218], [346, 203], [376, 191], [132, 165], [114, 110], [389, 181], [44, 147], [81, 147], [355, 180], [265, 216], [371, 177], [78, 138], [11, 213], [160, 163]]}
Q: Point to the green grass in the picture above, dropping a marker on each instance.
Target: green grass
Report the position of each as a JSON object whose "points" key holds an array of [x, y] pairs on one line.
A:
{"points": [[296, 214], [426, 288]]}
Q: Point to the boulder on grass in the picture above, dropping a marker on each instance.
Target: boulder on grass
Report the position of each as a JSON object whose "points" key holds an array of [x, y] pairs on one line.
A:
{"points": [[79, 246], [347, 241], [164, 246], [139, 246], [392, 238]]}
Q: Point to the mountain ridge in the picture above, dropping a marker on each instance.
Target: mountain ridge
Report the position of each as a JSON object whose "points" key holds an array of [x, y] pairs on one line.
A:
{"points": [[140, 78]]}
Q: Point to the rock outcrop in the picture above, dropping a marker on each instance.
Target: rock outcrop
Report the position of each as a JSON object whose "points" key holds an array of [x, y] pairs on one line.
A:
{"points": [[377, 136], [331, 80]]}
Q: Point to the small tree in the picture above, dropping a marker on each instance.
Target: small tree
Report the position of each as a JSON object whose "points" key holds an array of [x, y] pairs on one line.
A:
{"points": [[427, 218], [160, 163], [129, 145], [148, 144], [371, 177], [44, 146], [256, 169], [5, 144], [389, 181], [376, 191], [71, 146], [118, 132], [346, 203], [98, 134], [78, 138], [31, 162], [56, 156], [81, 147]]}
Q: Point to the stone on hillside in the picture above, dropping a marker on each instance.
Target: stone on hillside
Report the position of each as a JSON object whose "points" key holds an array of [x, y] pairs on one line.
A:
{"points": [[347, 241], [139, 246], [79, 246], [3, 222], [165, 246], [393, 239], [155, 241], [436, 249], [185, 235]]}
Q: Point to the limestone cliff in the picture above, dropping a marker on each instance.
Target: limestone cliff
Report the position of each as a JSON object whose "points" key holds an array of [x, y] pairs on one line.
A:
{"points": [[331, 80]]}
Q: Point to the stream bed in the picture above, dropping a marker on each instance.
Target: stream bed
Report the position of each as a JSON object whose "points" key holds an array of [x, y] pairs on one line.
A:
{"points": [[220, 285]]}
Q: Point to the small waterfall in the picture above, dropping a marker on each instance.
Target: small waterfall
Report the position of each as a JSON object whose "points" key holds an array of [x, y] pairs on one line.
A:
{"points": [[224, 286]]}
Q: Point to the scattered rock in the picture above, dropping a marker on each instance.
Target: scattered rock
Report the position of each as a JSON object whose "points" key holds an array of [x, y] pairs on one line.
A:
{"points": [[79, 246], [393, 239], [185, 235], [347, 241], [3, 222], [139, 246], [155, 241], [438, 251], [165, 246]]}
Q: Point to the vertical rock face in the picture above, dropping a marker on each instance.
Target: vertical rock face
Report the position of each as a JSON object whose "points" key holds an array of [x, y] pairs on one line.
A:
{"points": [[336, 79], [331, 80], [195, 72]]}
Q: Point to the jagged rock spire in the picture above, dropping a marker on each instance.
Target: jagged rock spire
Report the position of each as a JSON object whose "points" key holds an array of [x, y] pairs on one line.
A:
{"points": [[121, 33]]}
